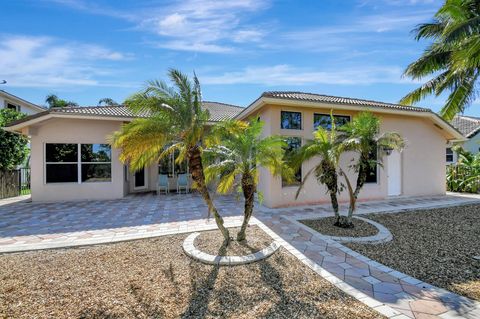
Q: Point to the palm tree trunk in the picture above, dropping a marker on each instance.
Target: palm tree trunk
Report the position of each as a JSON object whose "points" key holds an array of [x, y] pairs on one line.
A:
{"points": [[334, 201], [196, 169], [248, 187]]}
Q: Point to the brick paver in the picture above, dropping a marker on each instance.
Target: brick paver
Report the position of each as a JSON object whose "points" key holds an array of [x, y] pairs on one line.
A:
{"points": [[27, 226]]}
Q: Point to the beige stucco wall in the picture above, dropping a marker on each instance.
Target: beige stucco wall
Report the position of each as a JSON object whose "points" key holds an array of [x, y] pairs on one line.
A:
{"points": [[422, 168], [73, 131]]}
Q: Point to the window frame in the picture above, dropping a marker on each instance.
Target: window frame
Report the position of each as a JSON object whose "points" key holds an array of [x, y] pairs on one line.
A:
{"points": [[78, 163], [291, 129], [334, 115], [377, 171], [295, 183], [447, 154], [17, 107]]}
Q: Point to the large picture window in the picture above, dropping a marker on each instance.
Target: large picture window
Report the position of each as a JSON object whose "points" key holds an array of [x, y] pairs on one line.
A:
{"points": [[325, 120], [77, 163], [291, 120], [293, 143], [169, 166]]}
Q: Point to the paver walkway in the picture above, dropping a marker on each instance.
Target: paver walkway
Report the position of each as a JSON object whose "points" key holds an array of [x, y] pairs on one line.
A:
{"points": [[27, 226]]}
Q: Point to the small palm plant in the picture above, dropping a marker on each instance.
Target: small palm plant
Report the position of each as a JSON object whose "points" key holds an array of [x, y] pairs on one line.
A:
{"points": [[362, 136], [324, 145], [175, 123], [236, 152]]}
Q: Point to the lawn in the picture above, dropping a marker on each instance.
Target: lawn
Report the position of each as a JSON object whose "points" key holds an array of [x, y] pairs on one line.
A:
{"points": [[153, 278], [436, 245]]}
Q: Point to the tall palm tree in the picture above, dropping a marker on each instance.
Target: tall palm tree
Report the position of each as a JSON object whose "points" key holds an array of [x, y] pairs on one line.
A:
{"points": [[107, 101], [54, 101], [176, 123], [453, 59], [362, 136], [236, 153], [324, 145]]}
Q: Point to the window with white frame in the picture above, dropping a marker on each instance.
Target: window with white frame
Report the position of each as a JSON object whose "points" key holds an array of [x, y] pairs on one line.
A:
{"points": [[77, 163], [170, 166], [12, 106], [449, 155]]}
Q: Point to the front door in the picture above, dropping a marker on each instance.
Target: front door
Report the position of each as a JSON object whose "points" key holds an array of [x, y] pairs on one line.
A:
{"points": [[394, 174], [140, 179]]}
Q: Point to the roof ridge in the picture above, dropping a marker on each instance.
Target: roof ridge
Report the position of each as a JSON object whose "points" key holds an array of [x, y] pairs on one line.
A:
{"points": [[344, 97], [467, 117], [227, 104]]}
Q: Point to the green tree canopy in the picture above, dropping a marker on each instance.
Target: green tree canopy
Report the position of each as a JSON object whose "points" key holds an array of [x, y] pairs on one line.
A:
{"points": [[13, 147]]}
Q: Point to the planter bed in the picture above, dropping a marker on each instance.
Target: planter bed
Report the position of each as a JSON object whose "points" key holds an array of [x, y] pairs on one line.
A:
{"points": [[437, 246], [325, 227], [153, 278]]}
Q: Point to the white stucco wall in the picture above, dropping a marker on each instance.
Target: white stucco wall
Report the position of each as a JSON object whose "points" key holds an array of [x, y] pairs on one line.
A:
{"points": [[73, 131], [24, 108]]}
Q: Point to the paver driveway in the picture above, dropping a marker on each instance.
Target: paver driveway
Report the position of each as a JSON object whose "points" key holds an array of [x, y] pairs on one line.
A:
{"points": [[25, 226]]}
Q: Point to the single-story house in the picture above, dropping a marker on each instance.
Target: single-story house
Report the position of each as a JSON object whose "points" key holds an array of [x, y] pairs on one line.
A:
{"points": [[469, 126], [71, 158], [10, 101]]}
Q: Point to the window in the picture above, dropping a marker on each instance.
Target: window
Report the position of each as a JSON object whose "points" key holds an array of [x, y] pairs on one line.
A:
{"points": [[64, 163], [168, 165], [449, 155], [293, 143], [12, 107], [61, 161], [96, 163], [325, 121], [291, 120], [372, 171]]}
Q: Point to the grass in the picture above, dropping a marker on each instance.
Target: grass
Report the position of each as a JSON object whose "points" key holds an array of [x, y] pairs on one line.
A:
{"points": [[153, 278], [436, 246]]}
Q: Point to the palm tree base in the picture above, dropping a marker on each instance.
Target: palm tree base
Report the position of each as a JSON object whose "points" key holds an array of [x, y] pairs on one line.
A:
{"points": [[343, 222]]}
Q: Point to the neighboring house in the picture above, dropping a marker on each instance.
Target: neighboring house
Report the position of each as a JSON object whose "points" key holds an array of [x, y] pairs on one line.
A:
{"points": [[469, 126], [71, 158], [10, 101]]}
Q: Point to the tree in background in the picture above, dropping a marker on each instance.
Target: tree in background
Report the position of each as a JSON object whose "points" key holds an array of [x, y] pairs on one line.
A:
{"points": [[453, 59], [107, 101], [177, 123], [13, 147], [53, 101], [235, 154]]}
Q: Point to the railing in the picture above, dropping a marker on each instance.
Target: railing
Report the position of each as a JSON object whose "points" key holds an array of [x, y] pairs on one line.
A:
{"points": [[462, 178], [14, 182]]}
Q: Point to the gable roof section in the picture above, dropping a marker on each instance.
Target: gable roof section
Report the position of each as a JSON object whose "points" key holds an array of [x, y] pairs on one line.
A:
{"points": [[293, 98], [467, 125], [218, 112], [18, 99]]}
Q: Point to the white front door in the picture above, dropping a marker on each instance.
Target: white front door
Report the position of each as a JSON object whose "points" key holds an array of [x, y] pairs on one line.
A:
{"points": [[394, 173]]}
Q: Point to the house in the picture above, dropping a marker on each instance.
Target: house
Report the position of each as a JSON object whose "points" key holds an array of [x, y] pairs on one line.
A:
{"points": [[10, 101], [79, 163], [469, 126]]}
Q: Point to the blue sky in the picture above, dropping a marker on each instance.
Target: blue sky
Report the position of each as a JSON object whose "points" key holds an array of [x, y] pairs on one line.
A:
{"points": [[85, 50]]}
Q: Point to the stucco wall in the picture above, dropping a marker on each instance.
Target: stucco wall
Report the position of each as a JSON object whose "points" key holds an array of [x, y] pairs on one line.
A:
{"points": [[73, 131], [422, 168]]}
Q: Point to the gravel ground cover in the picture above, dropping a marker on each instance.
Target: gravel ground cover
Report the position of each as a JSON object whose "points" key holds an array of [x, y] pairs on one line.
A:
{"points": [[325, 227], [209, 242], [153, 278], [436, 246]]}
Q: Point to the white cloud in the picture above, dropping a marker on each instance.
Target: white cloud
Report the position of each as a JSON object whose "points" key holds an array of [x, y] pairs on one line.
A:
{"points": [[45, 62], [289, 75]]}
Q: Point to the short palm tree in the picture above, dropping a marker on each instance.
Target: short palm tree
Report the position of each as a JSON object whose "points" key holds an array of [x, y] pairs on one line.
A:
{"points": [[453, 59], [236, 153], [175, 123], [326, 147], [362, 136]]}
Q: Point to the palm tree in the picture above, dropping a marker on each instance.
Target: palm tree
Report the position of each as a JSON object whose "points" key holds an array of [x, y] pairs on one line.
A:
{"points": [[107, 101], [176, 123], [53, 101], [324, 145], [453, 59], [362, 135], [236, 153]]}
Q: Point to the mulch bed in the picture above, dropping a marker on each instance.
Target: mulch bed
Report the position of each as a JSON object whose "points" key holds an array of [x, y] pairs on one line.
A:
{"points": [[436, 246], [325, 227], [209, 242], [153, 278]]}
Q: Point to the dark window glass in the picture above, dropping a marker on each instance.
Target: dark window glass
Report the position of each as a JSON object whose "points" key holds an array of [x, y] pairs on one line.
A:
{"points": [[61, 152], [169, 166], [96, 172], [449, 154], [325, 121], [293, 143], [180, 168], [372, 171], [12, 107], [291, 120], [62, 173], [140, 178], [96, 153]]}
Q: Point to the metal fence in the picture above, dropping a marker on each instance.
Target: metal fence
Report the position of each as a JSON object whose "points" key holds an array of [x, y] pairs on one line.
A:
{"points": [[14, 182]]}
